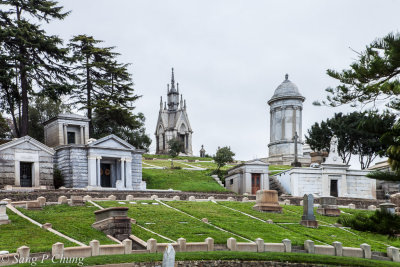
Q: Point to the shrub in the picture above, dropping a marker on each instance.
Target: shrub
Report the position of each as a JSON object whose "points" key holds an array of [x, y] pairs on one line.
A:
{"points": [[380, 222], [58, 178]]}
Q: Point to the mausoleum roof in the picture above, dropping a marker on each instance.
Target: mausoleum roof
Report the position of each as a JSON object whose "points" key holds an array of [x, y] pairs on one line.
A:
{"points": [[286, 89]]}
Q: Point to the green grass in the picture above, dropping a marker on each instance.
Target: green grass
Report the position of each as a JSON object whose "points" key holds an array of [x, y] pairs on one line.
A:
{"points": [[164, 163], [179, 157], [237, 223], [233, 256], [21, 232], [185, 180], [75, 222], [168, 222]]}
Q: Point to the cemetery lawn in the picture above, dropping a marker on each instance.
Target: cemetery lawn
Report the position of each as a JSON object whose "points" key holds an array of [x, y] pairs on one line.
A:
{"points": [[167, 222], [21, 232], [231, 255], [179, 157], [184, 180], [75, 222]]}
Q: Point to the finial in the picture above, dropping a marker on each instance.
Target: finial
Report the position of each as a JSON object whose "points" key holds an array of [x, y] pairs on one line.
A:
{"points": [[184, 105], [172, 79], [167, 88], [165, 105], [286, 76], [177, 87], [161, 102]]}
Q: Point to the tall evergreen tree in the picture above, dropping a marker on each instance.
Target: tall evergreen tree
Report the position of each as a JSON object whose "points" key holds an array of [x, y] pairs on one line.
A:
{"points": [[103, 82], [34, 60]]}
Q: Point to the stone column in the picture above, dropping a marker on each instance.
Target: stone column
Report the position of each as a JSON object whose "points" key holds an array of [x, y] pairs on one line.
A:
{"points": [[65, 134], [92, 171], [128, 172], [123, 180], [98, 176], [300, 123], [283, 120], [271, 134], [82, 135]]}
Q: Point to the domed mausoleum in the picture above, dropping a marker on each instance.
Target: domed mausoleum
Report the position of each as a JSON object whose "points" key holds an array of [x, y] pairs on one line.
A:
{"points": [[286, 106]]}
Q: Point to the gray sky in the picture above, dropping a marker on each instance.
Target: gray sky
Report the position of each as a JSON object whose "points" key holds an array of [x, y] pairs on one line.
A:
{"points": [[229, 56]]}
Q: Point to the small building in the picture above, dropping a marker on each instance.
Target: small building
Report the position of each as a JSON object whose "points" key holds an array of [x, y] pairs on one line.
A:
{"points": [[107, 163], [173, 121], [248, 177], [384, 187], [332, 178], [25, 162]]}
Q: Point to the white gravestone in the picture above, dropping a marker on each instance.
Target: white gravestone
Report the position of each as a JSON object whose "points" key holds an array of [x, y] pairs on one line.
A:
{"points": [[169, 257], [3, 213]]}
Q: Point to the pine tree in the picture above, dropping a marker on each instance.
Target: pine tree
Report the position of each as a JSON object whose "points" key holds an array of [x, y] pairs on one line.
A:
{"points": [[35, 62], [103, 82]]}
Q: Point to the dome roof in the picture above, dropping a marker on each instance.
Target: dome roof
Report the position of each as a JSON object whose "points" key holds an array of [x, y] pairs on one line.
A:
{"points": [[286, 89]]}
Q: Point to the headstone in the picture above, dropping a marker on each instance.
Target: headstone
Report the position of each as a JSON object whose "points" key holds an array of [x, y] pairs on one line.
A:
{"points": [[112, 197], [328, 207], [33, 205], [62, 200], [153, 197], [372, 207], [47, 226], [176, 198], [269, 221], [87, 198], [352, 206], [77, 201], [211, 198], [388, 207], [192, 198], [231, 199], [308, 218], [267, 201], [169, 257], [8, 187], [245, 199], [286, 202], [42, 201], [129, 197], [3, 213]]}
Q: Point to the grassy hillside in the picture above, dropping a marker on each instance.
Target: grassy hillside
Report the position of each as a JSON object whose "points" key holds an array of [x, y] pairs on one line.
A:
{"points": [[185, 180]]}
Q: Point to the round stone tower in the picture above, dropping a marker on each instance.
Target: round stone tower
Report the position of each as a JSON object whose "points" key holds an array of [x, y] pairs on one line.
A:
{"points": [[286, 107]]}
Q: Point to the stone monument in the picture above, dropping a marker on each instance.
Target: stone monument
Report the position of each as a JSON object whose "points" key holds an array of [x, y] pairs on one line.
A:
{"points": [[169, 257], [202, 152], [328, 207], [3, 213], [388, 207], [308, 218], [267, 201]]}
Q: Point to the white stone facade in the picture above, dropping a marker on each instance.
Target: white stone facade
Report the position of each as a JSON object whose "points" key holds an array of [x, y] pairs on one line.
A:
{"points": [[173, 122], [248, 177], [286, 107], [332, 178], [25, 162]]}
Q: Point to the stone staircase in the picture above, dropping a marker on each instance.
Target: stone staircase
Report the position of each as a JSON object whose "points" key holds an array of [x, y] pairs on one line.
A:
{"points": [[274, 184], [216, 178]]}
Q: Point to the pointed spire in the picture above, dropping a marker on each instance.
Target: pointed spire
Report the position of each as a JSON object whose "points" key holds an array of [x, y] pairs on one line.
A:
{"points": [[165, 105], [161, 103], [184, 105], [177, 87], [181, 102], [172, 80], [286, 77]]}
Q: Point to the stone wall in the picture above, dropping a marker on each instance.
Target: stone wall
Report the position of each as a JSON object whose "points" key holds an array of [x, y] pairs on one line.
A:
{"points": [[223, 263], [7, 167], [73, 164]]}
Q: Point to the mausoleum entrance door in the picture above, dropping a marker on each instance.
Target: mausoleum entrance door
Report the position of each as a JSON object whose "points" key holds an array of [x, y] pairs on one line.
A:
{"points": [[334, 188], [255, 182], [25, 173], [105, 175]]}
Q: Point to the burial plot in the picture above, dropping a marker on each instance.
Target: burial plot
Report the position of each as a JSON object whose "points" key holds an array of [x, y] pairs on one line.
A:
{"points": [[328, 207]]}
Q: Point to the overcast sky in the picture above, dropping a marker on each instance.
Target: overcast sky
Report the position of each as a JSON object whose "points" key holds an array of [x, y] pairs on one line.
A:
{"points": [[229, 56]]}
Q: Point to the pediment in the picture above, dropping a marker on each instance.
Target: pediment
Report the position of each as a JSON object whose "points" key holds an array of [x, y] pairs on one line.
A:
{"points": [[112, 141], [27, 143]]}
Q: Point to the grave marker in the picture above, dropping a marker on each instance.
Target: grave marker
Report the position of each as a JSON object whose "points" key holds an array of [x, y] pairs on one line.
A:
{"points": [[308, 218]]}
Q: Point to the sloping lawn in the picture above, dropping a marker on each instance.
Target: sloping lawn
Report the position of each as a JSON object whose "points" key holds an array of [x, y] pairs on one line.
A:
{"points": [[185, 180], [167, 222], [21, 232], [75, 222], [237, 223]]}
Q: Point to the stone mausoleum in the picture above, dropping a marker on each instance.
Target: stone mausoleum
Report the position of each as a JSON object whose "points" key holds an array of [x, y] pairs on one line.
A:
{"points": [[286, 107], [332, 178], [173, 121], [106, 163]]}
